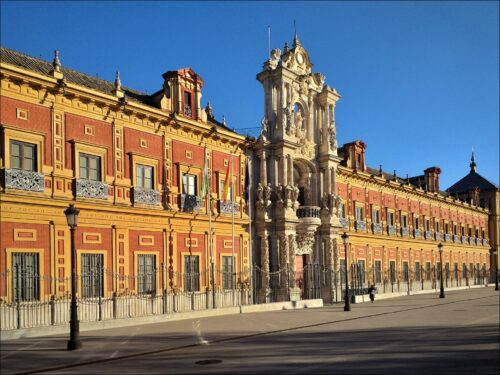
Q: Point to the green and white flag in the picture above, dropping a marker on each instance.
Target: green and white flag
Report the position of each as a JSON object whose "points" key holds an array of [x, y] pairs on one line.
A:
{"points": [[204, 187]]}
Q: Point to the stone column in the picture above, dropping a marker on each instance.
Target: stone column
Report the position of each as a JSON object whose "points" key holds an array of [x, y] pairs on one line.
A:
{"points": [[264, 261], [284, 264], [292, 246]]}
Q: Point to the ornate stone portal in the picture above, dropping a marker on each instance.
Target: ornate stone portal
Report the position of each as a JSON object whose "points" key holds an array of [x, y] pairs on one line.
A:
{"points": [[295, 161]]}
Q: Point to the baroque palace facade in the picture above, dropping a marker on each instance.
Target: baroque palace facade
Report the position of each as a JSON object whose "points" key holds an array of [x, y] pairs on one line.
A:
{"points": [[133, 165], [309, 192]]}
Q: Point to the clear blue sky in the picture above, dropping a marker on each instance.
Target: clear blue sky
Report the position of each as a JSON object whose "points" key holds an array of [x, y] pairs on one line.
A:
{"points": [[419, 80]]}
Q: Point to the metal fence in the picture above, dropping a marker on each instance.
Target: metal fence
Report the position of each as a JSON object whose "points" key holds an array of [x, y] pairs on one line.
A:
{"points": [[28, 301], [31, 300]]}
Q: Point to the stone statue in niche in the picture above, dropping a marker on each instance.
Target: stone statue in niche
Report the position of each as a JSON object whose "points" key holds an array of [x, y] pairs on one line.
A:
{"points": [[264, 132], [332, 135], [267, 194], [275, 54], [300, 127], [260, 193]]}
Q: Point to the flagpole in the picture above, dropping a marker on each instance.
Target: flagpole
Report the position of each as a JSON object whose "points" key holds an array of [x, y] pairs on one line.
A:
{"points": [[232, 227], [210, 239]]}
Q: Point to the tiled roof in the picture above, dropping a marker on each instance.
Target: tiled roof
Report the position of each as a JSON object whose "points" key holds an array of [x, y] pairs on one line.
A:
{"points": [[470, 182], [71, 76]]}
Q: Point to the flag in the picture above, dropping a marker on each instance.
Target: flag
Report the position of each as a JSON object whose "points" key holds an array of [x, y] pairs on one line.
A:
{"points": [[247, 182], [204, 186], [227, 184]]}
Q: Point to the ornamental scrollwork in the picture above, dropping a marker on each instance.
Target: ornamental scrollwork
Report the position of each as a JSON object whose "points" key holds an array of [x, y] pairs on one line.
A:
{"points": [[91, 189], [24, 180], [146, 196]]}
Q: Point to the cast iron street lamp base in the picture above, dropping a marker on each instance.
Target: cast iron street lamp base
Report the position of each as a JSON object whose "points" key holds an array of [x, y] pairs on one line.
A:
{"points": [[74, 344]]}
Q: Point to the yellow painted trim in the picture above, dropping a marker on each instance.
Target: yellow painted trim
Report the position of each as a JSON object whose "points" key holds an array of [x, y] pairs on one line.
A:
{"points": [[79, 147], [143, 240], [41, 270], [79, 253], [156, 253], [23, 135], [87, 241], [18, 231]]}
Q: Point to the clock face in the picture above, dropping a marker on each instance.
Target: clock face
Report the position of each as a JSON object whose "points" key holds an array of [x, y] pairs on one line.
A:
{"points": [[300, 58]]}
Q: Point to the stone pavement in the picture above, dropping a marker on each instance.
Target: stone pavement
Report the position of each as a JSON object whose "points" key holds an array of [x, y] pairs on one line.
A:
{"points": [[413, 334]]}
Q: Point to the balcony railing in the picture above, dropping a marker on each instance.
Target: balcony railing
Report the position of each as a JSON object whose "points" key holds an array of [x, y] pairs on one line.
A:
{"points": [[438, 236], [417, 233], [91, 189], [447, 237], [308, 211], [485, 242], [228, 207], [391, 230], [345, 222], [377, 228], [146, 196], [456, 238], [405, 232], [464, 239], [19, 179], [428, 235], [360, 225], [190, 202]]}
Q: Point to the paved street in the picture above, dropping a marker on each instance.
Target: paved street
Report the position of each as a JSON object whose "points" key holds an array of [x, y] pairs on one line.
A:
{"points": [[408, 335]]}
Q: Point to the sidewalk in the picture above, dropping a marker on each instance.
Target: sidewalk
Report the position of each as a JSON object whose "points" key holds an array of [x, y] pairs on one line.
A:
{"points": [[27, 355]]}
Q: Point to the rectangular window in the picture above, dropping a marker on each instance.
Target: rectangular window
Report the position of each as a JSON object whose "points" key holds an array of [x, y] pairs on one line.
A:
{"points": [[390, 218], [90, 167], [406, 271], [464, 270], [417, 271], [221, 190], [438, 271], [146, 274], [144, 176], [375, 215], [446, 228], [25, 277], [404, 221], [427, 225], [447, 271], [92, 275], [455, 271], [188, 107], [189, 184], [191, 273], [378, 271], [436, 225], [341, 210], [455, 229], [23, 156], [428, 271], [359, 213], [392, 271], [361, 271], [462, 231], [470, 232], [227, 272], [415, 222]]}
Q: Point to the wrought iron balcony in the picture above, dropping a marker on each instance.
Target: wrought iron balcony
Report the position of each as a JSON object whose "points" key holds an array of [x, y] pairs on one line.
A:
{"points": [[187, 110], [405, 232], [485, 242], [391, 230], [308, 211], [475, 241], [417, 233], [91, 189], [428, 235], [360, 225], [464, 239], [228, 207], [456, 238], [438, 236], [146, 196], [345, 222], [447, 237], [190, 202], [377, 228], [19, 179]]}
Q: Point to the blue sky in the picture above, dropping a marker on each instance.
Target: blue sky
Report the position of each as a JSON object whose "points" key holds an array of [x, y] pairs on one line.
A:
{"points": [[419, 80]]}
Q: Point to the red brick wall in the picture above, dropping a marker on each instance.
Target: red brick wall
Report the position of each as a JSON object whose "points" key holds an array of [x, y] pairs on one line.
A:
{"points": [[75, 130], [132, 143], [39, 120]]}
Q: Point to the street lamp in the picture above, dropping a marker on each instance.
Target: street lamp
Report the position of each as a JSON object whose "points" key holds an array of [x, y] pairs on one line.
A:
{"points": [[74, 325], [347, 306], [495, 259], [440, 248]]}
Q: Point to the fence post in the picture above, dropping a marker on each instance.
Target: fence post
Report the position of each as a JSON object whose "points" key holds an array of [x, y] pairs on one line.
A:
{"points": [[114, 305], [18, 299], [100, 295], [163, 291], [52, 310]]}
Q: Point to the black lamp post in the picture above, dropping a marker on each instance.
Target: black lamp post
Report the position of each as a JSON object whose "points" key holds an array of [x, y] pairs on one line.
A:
{"points": [[495, 259], [440, 248], [74, 325], [347, 306]]}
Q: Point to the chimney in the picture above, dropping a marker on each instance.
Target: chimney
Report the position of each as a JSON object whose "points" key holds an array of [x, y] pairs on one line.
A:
{"points": [[432, 179]]}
